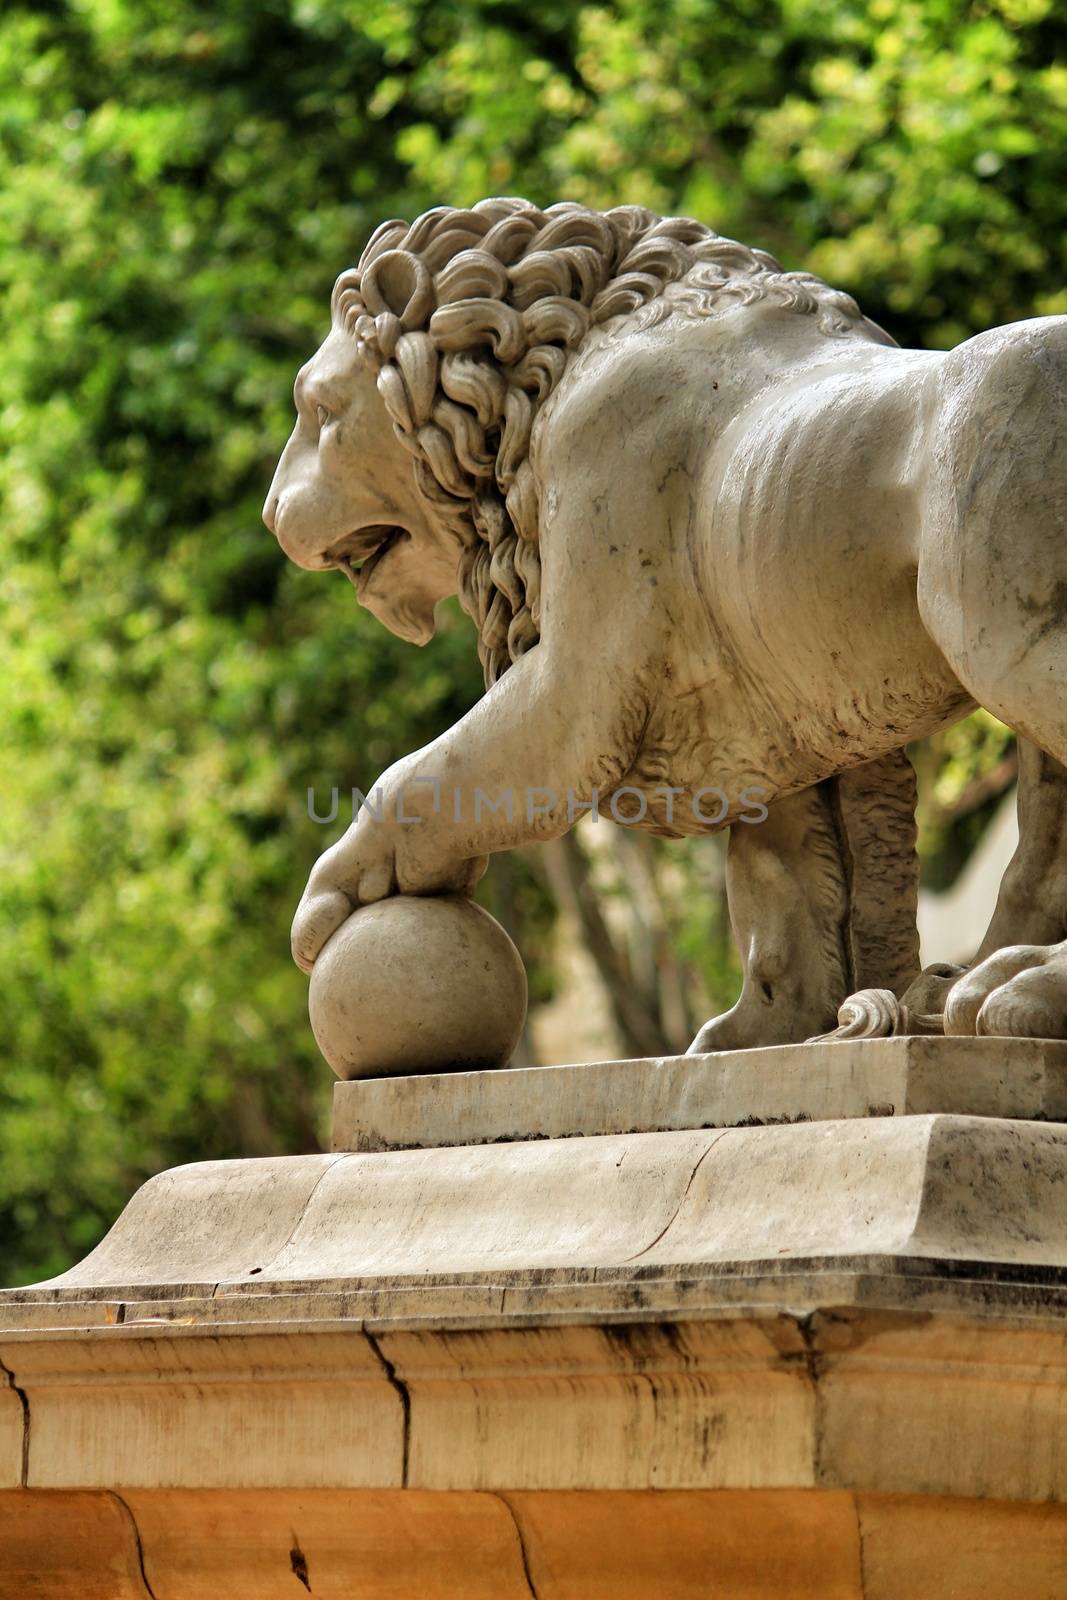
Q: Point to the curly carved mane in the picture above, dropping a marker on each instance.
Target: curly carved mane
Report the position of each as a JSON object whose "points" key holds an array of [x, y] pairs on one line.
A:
{"points": [[469, 318]]}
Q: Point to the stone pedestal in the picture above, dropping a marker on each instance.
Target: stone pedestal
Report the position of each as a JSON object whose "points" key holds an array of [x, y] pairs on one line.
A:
{"points": [[785, 1322]]}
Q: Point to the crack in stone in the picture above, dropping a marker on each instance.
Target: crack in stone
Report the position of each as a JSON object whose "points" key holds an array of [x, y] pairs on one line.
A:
{"points": [[524, 1554], [681, 1202], [230, 1283], [24, 1402], [119, 1501], [806, 1327], [405, 1401]]}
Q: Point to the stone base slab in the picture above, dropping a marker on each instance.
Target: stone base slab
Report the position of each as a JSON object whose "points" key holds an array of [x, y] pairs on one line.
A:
{"points": [[816, 1082], [801, 1357], [948, 1196], [872, 1304], [389, 1545], [873, 1402]]}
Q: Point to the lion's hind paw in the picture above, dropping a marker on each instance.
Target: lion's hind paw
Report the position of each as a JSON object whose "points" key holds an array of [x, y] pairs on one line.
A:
{"points": [[1018, 992]]}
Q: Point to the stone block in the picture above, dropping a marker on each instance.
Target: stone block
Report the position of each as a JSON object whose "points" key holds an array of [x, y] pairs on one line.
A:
{"points": [[906, 1076]]}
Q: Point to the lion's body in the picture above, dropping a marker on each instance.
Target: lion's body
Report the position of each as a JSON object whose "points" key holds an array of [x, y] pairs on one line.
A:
{"points": [[779, 535], [717, 532], [782, 523]]}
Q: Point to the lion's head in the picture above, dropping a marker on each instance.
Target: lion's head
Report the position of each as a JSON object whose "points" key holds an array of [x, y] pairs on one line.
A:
{"points": [[411, 450]]}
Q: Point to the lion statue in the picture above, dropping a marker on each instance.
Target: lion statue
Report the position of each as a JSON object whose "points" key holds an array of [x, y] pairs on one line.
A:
{"points": [[718, 534]]}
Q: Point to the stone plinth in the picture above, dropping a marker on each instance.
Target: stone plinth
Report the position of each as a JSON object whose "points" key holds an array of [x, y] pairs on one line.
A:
{"points": [[1021, 1078], [835, 1349]]}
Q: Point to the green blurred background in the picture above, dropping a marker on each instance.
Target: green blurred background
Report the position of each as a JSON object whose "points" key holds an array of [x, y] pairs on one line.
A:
{"points": [[180, 184]]}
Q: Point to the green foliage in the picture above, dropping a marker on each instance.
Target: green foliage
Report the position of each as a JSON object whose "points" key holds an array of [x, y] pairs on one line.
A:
{"points": [[963, 774], [179, 184]]}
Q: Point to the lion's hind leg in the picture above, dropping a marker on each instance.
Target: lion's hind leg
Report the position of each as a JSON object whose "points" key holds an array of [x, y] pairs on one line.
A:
{"points": [[1017, 983], [993, 595]]}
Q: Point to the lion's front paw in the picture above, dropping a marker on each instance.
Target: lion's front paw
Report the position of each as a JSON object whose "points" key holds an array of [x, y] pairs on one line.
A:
{"points": [[359, 869], [1020, 992]]}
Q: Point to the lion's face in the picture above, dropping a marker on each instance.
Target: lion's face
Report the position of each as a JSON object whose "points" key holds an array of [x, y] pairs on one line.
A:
{"points": [[344, 495]]}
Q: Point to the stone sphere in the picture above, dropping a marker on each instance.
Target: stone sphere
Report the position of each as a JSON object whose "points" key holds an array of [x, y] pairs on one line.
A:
{"points": [[417, 984]]}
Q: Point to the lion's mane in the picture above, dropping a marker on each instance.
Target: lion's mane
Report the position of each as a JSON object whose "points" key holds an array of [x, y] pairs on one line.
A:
{"points": [[469, 318]]}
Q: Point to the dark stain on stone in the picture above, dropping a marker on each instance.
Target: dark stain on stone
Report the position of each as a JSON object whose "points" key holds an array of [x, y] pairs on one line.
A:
{"points": [[298, 1562], [1054, 610], [711, 1431]]}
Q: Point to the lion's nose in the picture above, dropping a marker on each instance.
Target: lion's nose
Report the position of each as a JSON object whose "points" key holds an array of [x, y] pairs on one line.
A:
{"points": [[270, 512]]}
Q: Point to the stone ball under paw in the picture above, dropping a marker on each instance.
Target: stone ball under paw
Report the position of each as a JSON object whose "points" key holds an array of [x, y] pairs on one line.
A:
{"points": [[417, 984]]}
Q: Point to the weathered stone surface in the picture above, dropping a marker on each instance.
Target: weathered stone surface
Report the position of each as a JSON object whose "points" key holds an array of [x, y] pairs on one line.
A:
{"points": [[197, 1407], [711, 1404], [611, 1367], [12, 1432], [742, 1545], [390, 1545], [967, 1404], [936, 1188], [872, 1304], [969, 1435], [919, 1547], [374, 1545], [59, 1546], [785, 1083], [223, 1216], [811, 1358]]}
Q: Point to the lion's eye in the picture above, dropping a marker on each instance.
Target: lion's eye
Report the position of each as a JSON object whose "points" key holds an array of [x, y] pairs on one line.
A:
{"points": [[323, 416]]}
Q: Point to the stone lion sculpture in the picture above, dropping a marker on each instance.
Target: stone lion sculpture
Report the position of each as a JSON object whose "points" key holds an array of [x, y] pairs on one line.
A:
{"points": [[716, 530]]}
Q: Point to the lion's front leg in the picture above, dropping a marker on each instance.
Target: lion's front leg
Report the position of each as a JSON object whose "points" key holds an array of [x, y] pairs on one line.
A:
{"points": [[514, 771], [371, 861]]}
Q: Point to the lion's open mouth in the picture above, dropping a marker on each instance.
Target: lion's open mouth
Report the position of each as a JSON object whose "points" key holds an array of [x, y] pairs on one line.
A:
{"points": [[361, 552], [363, 577]]}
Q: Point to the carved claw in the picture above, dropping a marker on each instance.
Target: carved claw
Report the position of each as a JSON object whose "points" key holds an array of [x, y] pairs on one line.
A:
{"points": [[878, 1014], [317, 917], [1019, 992]]}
